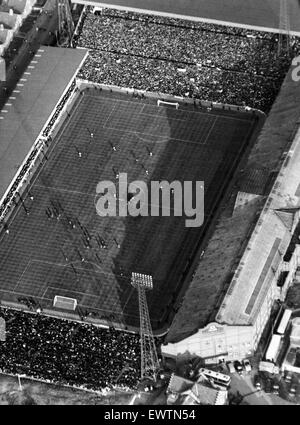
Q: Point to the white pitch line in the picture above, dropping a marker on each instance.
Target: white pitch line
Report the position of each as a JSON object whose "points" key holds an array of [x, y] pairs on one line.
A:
{"points": [[45, 291], [127, 301], [16, 91], [12, 98], [103, 272], [24, 271], [162, 116], [165, 138], [74, 292], [210, 130], [109, 115]]}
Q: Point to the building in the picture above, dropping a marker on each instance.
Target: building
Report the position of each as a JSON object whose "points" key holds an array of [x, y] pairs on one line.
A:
{"points": [[295, 334], [254, 254], [292, 358], [12, 13], [182, 391], [215, 343]]}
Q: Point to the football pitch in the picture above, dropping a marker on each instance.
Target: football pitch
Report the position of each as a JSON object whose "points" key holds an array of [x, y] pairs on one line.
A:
{"points": [[63, 247]]}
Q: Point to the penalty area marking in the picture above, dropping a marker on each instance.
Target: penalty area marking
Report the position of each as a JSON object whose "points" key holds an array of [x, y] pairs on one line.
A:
{"points": [[166, 140], [24, 271], [109, 274], [57, 289]]}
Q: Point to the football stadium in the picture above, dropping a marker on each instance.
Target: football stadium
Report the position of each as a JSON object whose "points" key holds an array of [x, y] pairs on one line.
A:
{"points": [[91, 90]]}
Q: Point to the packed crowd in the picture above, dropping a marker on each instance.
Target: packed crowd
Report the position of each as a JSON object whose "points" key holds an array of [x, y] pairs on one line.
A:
{"points": [[69, 353], [178, 79], [205, 61], [59, 108]]}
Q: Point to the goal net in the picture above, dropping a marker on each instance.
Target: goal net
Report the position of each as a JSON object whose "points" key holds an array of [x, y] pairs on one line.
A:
{"points": [[163, 102], [65, 303]]}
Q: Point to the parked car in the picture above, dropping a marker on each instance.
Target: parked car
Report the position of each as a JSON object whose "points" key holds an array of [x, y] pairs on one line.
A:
{"points": [[231, 367], [258, 382], [293, 390], [275, 387], [247, 365], [268, 385], [238, 367], [287, 377]]}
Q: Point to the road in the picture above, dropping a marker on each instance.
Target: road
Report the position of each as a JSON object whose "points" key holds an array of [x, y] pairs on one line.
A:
{"points": [[244, 386]]}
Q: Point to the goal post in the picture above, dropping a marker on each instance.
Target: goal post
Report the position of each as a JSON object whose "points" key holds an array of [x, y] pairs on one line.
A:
{"points": [[163, 102], [66, 303]]}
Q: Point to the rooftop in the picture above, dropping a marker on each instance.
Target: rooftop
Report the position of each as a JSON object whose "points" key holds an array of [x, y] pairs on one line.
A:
{"points": [[193, 393], [30, 105], [272, 235], [204, 395]]}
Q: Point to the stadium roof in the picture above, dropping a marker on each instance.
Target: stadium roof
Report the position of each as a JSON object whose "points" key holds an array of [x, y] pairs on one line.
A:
{"points": [[30, 105], [277, 149], [255, 13]]}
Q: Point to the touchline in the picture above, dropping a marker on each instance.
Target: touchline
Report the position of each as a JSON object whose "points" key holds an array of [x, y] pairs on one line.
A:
{"points": [[154, 198]]}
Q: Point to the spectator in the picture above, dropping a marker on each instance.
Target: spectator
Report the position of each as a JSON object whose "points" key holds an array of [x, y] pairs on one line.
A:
{"points": [[200, 60], [67, 352]]}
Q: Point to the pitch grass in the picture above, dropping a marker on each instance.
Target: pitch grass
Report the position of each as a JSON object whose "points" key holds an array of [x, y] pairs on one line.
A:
{"points": [[42, 257]]}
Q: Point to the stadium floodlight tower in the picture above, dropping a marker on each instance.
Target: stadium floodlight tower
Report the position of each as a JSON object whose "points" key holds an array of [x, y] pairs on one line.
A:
{"points": [[65, 23], [149, 358], [284, 28]]}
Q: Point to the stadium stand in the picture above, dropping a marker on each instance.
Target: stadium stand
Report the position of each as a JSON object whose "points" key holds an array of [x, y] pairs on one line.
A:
{"points": [[69, 353], [254, 13], [147, 53], [246, 298], [66, 350]]}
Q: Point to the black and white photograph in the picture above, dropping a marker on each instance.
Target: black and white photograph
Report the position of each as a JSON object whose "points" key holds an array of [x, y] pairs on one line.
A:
{"points": [[150, 206]]}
